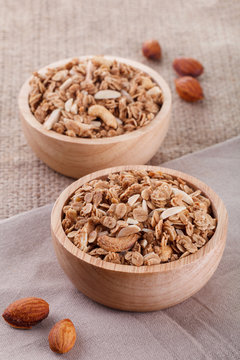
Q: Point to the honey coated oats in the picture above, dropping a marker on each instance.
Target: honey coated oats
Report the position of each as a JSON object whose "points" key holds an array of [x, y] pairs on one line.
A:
{"points": [[138, 218], [94, 98]]}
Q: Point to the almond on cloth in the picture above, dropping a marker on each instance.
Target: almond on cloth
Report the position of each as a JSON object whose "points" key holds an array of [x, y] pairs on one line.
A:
{"points": [[151, 49], [62, 336], [26, 312], [187, 66], [189, 89]]}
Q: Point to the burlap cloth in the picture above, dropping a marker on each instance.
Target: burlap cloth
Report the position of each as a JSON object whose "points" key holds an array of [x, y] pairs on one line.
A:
{"points": [[206, 326], [36, 33]]}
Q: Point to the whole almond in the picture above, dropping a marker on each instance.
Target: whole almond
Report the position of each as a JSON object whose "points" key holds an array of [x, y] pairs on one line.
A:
{"points": [[189, 89], [151, 49], [188, 66], [62, 336], [26, 312]]}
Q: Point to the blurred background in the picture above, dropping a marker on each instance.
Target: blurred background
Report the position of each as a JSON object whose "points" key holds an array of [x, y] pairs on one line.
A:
{"points": [[35, 33]]}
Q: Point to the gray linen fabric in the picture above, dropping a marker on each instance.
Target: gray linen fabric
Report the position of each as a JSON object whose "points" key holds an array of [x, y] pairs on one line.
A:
{"points": [[206, 326], [36, 33]]}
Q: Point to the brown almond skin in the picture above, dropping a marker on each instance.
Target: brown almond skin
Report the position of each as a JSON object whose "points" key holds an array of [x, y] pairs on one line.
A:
{"points": [[26, 312], [188, 66], [151, 49], [62, 336], [189, 89]]}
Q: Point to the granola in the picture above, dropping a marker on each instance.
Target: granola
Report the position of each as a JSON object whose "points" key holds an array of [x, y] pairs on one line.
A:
{"points": [[94, 98], [138, 218]]}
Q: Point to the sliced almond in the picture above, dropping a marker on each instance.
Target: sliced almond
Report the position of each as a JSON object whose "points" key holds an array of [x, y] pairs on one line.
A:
{"points": [[66, 84], [129, 230], [119, 121], [144, 206], [89, 72], [88, 227], [185, 196], [143, 243], [60, 75], [107, 94], [68, 104], [133, 199], [43, 73], [117, 244], [74, 109], [146, 230], [127, 95], [172, 211], [53, 118], [154, 91], [120, 224], [158, 209]]}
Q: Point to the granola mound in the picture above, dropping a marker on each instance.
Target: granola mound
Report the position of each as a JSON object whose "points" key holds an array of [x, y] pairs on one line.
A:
{"points": [[94, 98], [138, 218]]}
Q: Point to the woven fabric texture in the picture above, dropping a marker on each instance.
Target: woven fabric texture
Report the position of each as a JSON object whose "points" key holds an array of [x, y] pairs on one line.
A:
{"points": [[36, 33]]}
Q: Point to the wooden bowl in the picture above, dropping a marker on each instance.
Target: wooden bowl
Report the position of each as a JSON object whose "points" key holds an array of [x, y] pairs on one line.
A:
{"points": [[76, 157], [144, 288]]}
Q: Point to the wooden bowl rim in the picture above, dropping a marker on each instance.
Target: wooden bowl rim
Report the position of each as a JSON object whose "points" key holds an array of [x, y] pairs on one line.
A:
{"points": [[217, 205], [27, 115]]}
